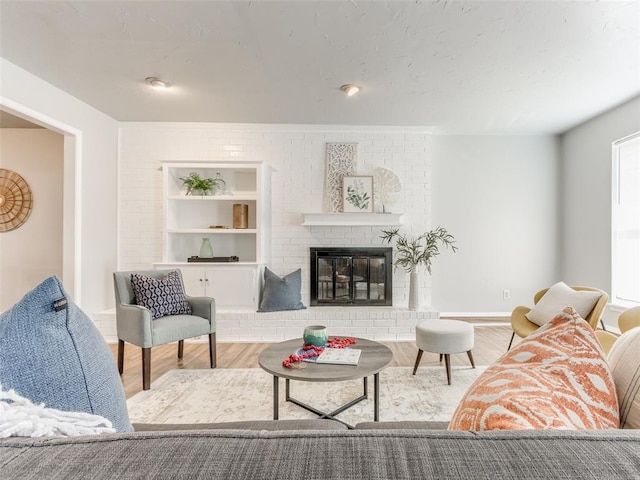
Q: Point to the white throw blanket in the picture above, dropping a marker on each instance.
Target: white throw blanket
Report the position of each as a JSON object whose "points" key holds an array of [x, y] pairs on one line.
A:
{"points": [[19, 417]]}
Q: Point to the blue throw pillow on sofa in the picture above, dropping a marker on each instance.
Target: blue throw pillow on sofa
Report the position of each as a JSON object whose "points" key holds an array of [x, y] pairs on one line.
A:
{"points": [[51, 353]]}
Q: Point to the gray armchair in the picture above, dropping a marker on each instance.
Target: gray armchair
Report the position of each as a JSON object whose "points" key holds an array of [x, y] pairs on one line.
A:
{"points": [[135, 323]]}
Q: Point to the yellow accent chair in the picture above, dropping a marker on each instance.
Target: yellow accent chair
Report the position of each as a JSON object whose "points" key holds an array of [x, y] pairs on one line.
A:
{"points": [[523, 327], [626, 321]]}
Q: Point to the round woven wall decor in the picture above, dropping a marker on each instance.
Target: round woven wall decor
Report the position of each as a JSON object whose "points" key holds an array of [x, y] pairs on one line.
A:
{"points": [[16, 200]]}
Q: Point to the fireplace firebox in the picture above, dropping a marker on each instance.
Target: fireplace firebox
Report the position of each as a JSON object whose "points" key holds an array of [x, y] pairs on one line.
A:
{"points": [[351, 276]]}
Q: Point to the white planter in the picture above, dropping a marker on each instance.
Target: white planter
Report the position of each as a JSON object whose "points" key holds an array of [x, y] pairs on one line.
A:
{"points": [[415, 297]]}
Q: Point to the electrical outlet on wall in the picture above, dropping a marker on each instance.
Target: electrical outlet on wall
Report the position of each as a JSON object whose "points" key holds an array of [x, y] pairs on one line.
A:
{"points": [[506, 294]]}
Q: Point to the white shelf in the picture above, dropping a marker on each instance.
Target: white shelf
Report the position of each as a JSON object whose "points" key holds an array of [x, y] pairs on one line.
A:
{"points": [[204, 264], [213, 231], [352, 219], [237, 196]]}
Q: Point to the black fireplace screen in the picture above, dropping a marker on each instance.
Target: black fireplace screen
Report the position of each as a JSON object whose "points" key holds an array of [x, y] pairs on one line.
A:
{"points": [[351, 276]]}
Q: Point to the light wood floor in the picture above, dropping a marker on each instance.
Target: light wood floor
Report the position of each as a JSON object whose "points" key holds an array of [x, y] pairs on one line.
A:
{"points": [[490, 343]]}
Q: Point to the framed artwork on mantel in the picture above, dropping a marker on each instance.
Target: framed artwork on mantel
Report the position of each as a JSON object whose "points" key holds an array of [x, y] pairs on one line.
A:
{"points": [[357, 194]]}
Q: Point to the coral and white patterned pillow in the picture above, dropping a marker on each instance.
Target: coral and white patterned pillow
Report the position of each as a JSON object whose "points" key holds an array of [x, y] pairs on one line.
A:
{"points": [[556, 378], [162, 296]]}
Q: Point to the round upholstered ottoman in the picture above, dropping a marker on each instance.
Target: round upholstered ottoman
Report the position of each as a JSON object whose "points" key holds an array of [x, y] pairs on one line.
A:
{"points": [[444, 337]]}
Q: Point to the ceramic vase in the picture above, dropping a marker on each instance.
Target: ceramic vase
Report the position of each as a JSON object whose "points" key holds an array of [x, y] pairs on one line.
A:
{"points": [[415, 297], [206, 250], [315, 335]]}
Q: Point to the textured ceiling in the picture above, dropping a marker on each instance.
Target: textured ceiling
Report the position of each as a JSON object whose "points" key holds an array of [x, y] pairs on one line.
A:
{"points": [[484, 66]]}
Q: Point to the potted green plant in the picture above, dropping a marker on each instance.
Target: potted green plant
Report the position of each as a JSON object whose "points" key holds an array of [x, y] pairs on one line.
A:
{"points": [[415, 252], [195, 183]]}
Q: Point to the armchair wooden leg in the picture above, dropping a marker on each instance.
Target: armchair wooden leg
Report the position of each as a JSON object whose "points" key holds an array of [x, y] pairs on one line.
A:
{"points": [[418, 358], [512, 336], [146, 368], [120, 356], [212, 350], [180, 348]]}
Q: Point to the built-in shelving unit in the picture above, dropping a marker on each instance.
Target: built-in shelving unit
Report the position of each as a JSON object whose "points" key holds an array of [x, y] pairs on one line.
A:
{"points": [[190, 218], [352, 219]]}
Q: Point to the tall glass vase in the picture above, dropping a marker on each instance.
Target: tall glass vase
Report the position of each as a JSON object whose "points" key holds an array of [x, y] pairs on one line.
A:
{"points": [[415, 297], [206, 250]]}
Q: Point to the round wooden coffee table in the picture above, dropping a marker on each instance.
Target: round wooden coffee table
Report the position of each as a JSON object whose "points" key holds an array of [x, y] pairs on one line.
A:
{"points": [[374, 358]]}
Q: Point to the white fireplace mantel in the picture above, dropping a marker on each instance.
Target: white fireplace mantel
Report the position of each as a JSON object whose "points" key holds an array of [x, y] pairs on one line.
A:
{"points": [[352, 219]]}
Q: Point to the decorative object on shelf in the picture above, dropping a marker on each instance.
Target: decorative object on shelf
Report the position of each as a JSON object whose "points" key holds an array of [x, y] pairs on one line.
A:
{"points": [[195, 183], [218, 227], [240, 215], [16, 200], [219, 186], [206, 250], [196, 259], [341, 161], [386, 188], [418, 251], [357, 194], [315, 335]]}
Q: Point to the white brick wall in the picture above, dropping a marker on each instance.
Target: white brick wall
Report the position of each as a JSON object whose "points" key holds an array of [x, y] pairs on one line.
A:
{"points": [[376, 323], [297, 155]]}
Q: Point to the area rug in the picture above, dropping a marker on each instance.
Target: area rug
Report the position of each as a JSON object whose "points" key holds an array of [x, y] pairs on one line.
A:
{"points": [[226, 395]]}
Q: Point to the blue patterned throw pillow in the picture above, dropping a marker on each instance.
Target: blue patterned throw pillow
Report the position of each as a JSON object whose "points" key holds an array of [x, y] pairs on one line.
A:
{"points": [[52, 353], [161, 296]]}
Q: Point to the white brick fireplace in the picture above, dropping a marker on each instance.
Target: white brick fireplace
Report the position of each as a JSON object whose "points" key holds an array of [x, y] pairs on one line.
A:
{"points": [[297, 155]]}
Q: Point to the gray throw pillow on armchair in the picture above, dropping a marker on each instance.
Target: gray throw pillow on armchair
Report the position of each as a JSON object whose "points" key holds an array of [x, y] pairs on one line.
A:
{"points": [[281, 293], [52, 353]]}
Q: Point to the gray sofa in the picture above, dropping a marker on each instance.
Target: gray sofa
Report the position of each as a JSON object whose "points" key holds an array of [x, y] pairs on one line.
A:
{"points": [[320, 449]]}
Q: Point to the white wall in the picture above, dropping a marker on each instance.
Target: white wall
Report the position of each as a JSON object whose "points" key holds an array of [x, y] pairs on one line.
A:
{"points": [[93, 206], [498, 196], [32, 252], [586, 194], [297, 153]]}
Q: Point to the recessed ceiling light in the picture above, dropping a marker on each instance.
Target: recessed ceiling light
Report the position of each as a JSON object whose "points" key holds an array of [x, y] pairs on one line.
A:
{"points": [[155, 82], [350, 89]]}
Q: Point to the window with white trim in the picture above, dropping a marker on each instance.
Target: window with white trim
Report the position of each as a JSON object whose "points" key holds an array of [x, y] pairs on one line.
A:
{"points": [[625, 228]]}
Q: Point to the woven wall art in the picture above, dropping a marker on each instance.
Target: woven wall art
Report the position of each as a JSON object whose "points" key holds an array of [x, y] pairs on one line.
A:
{"points": [[16, 200], [341, 161]]}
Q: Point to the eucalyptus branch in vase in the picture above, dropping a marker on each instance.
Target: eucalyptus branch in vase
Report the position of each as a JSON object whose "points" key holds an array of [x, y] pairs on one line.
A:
{"points": [[414, 252]]}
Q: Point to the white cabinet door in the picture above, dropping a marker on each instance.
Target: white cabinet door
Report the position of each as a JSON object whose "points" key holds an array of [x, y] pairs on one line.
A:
{"points": [[194, 281], [233, 287]]}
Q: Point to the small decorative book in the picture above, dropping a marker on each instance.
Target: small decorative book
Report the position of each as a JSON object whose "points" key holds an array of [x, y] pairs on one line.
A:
{"points": [[339, 356]]}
